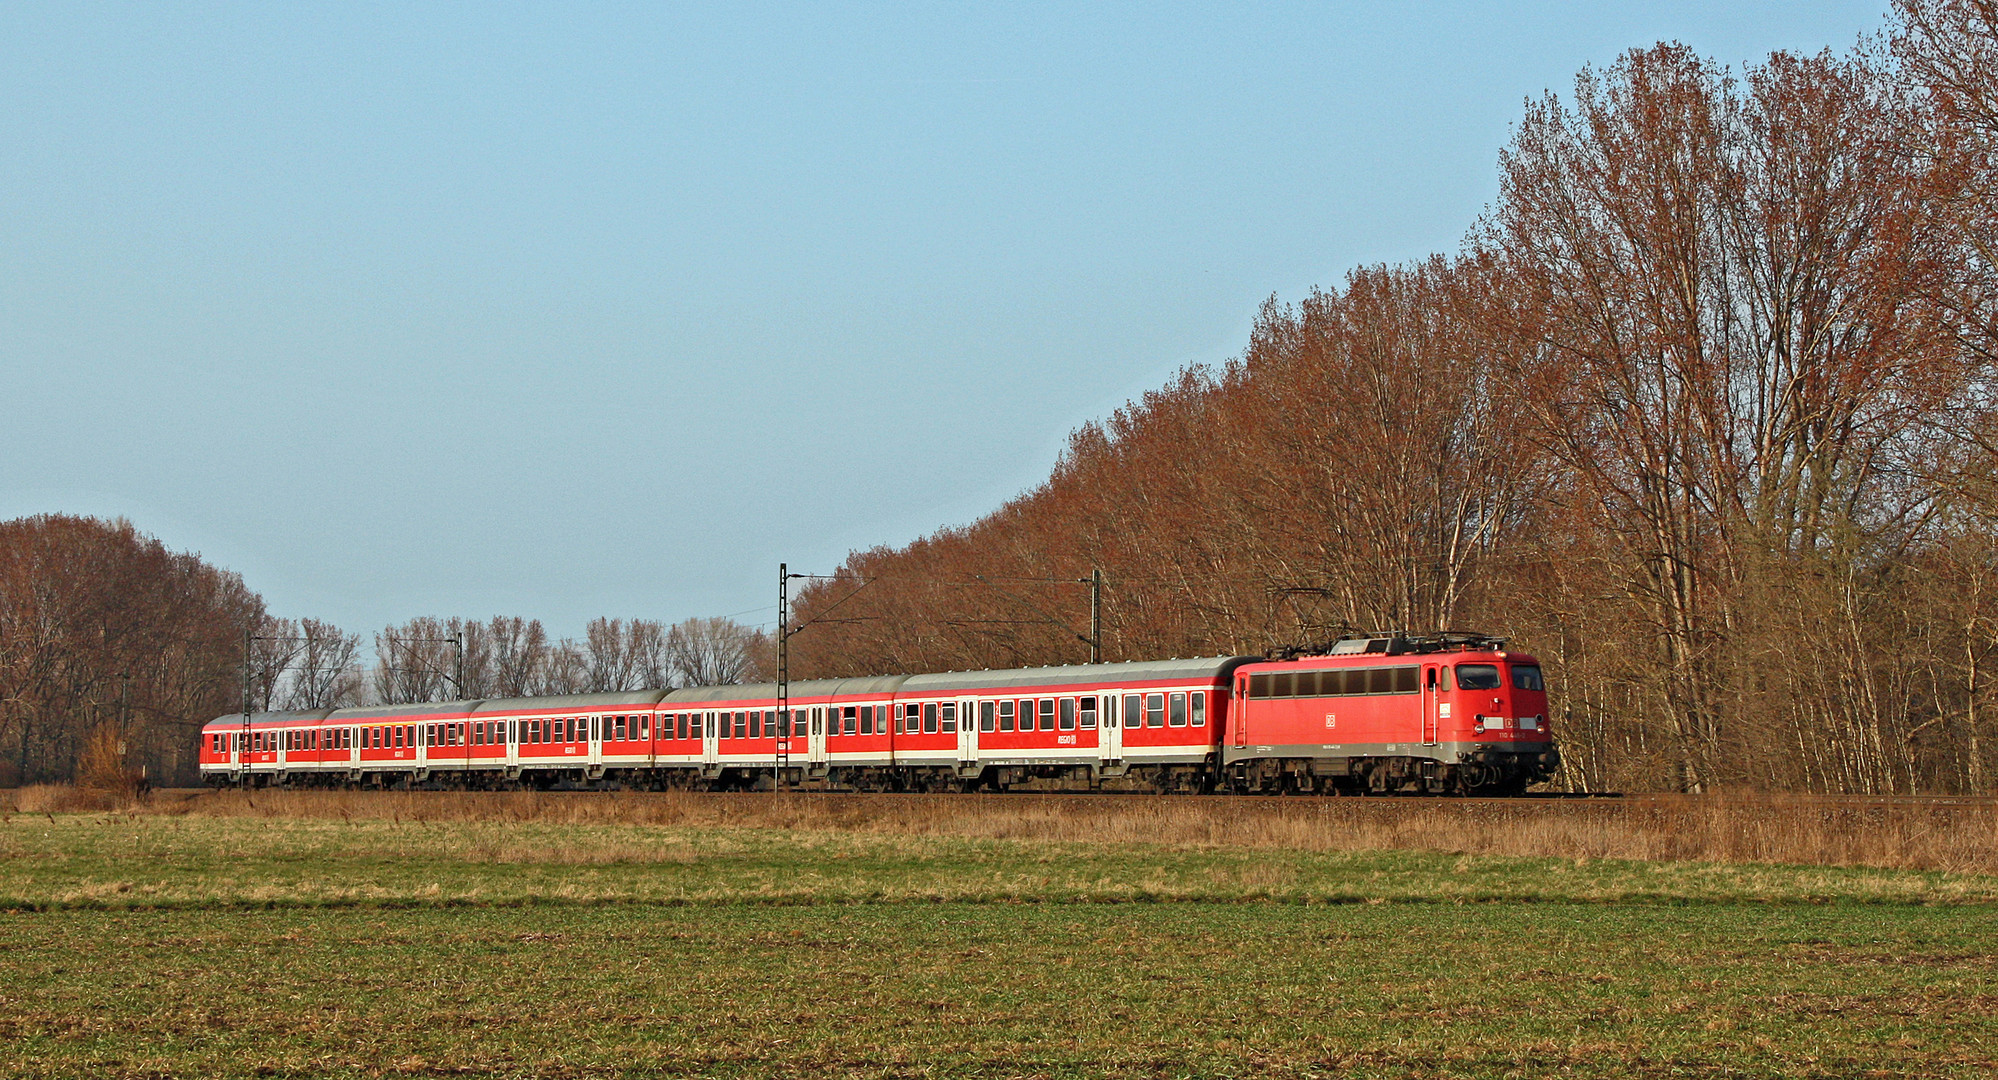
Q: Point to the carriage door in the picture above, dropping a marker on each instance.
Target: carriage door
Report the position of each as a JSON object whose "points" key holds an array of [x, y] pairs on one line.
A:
{"points": [[815, 749], [1429, 703], [710, 740], [1110, 730], [967, 735]]}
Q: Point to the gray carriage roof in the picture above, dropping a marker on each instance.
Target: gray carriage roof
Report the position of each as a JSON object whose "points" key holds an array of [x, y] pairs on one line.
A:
{"points": [[236, 719], [566, 702], [420, 708], [877, 684], [1207, 667]]}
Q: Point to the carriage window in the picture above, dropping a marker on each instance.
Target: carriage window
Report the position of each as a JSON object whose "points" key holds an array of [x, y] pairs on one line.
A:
{"points": [[1089, 713], [1134, 710], [1005, 716], [1047, 713], [848, 718], [1527, 677], [741, 725], [1068, 714], [755, 723], [949, 713], [1176, 709], [798, 718], [930, 719], [867, 719], [1154, 710], [1477, 676], [985, 716]]}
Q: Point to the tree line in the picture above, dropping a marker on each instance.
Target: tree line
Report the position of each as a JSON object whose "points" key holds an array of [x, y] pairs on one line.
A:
{"points": [[114, 651], [1701, 413]]}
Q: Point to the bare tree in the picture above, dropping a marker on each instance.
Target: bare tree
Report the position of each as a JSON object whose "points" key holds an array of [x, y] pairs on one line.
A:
{"points": [[711, 651], [325, 672], [415, 661]]}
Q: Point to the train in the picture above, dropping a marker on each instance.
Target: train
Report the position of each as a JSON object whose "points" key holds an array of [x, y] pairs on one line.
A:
{"points": [[1438, 714]]}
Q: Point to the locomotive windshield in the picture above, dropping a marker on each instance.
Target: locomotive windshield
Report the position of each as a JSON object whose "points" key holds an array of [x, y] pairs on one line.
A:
{"points": [[1527, 677], [1477, 677]]}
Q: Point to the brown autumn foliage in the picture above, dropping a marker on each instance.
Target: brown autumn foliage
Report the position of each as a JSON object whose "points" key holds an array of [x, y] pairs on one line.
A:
{"points": [[108, 639], [1701, 415]]}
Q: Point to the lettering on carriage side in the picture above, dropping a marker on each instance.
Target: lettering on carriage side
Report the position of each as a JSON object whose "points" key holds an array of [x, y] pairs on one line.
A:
{"points": [[1065, 740]]}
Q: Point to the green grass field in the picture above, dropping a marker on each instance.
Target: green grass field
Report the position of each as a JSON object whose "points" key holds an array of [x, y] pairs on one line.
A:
{"points": [[150, 946]]}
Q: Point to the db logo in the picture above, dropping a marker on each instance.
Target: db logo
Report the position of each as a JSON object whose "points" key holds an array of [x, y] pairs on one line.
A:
{"points": [[1331, 721]]}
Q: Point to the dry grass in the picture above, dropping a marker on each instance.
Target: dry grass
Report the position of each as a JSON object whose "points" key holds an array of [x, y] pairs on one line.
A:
{"points": [[1949, 836]]}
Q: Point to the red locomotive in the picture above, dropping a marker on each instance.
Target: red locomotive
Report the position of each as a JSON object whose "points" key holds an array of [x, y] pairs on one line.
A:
{"points": [[1451, 713]]}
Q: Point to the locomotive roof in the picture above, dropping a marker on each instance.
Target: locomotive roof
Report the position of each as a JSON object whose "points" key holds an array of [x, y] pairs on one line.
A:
{"points": [[1199, 667]]}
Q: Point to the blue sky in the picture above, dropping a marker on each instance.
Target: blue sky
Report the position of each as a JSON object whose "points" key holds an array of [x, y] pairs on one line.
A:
{"points": [[562, 310]]}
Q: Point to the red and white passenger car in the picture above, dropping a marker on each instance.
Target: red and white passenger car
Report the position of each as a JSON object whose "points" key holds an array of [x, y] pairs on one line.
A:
{"points": [[1372, 714]]}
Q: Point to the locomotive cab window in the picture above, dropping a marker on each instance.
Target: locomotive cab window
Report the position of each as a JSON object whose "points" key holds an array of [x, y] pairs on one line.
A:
{"points": [[1527, 677], [1477, 676]]}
